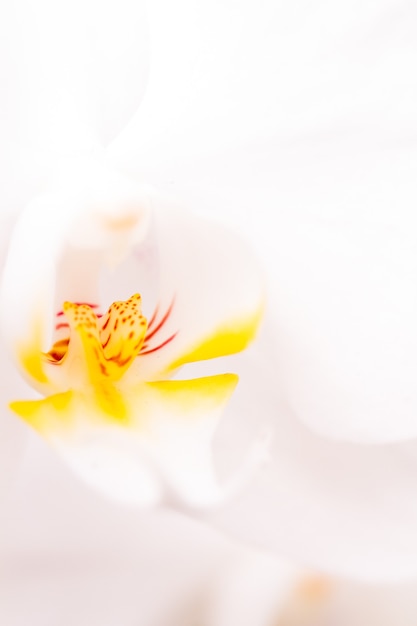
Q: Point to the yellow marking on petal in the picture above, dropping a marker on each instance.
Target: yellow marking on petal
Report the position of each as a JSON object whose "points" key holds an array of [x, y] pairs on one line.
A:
{"points": [[61, 412], [111, 403], [31, 354], [46, 415], [228, 339], [187, 396], [180, 398]]}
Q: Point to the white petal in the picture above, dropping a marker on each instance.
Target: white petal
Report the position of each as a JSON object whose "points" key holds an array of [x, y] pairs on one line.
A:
{"points": [[333, 219], [60, 544], [285, 69], [210, 291], [343, 508], [160, 448], [12, 435], [381, 605], [73, 77], [345, 603], [252, 590], [329, 202]]}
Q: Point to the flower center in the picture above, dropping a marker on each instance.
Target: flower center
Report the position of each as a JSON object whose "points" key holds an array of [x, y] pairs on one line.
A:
{"points": [[107, 344]]}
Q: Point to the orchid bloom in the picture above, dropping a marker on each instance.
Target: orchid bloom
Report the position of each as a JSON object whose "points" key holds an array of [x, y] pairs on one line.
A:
{"points": [[103, 360], [322, 182], [107, 290]]}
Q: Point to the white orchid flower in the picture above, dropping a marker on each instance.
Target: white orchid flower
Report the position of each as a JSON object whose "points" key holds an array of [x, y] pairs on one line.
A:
{"points": [[110, 406], [331, 215], [106, 293]]}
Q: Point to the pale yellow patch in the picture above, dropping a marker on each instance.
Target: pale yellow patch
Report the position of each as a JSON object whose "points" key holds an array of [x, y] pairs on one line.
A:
{"points": [[314, 589], [229, 338], [30, 353], [46, 415], [307, 603], [184, 397], [62, 413], [175, 398], [124, 223]]}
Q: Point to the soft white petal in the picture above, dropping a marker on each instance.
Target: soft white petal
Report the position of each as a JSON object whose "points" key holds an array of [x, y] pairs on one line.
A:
{"points": [[12, 433], [253, 589], [333, 219], [347, 603], [379, 605], [75, 558], [226, 73], [326, 192], [343, 508], [210, 289], [73, 75]]}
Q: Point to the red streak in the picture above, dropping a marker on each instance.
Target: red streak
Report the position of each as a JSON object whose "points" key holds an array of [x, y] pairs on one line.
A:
{"points": [[58, 326], [161, 345], [153, 318], [162, 322]]}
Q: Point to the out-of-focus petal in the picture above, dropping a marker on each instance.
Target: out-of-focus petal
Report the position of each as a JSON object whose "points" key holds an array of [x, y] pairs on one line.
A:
{"points": [[166, 433], [72, 77], [12, 435], [326, 191], [60, 544], [253, 589], [332, 218], [380, 605], [343, 508], [290, 69], [344, 602]]}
